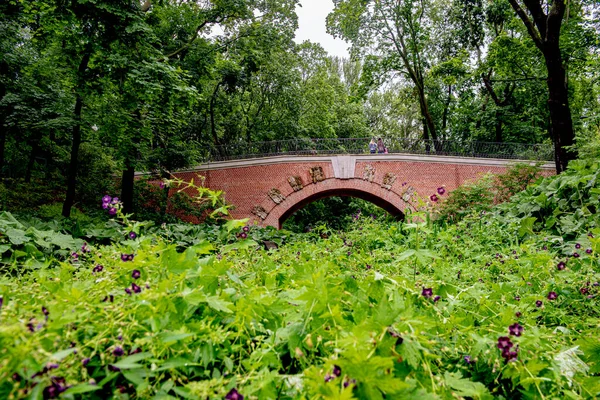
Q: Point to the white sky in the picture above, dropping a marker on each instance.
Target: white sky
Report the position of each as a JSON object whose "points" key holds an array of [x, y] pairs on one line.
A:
{"points": [[311, 26]]}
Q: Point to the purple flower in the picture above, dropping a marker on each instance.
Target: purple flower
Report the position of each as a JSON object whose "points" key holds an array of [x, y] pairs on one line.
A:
{"points": [[427, 292], [115, 200], [85, 361], [328, 377], [85, 248], [246, 228], [98, 268], [1, 302], [441, 190], [518, 298], [75, 256], [538, 303], [576, 255], [105, 205], [106, 199], [337, 371], [504, 342], [135, 274], [243, 235], [515, 329], [468, 359], [112, 211], [136, 288], [509, 355], [590, 234], [436, 299], [118, 351], [349, 382], [561, 265], [124, 257], [161, 185], [132, 235], [127, 290], [552, 296], [588, 251], [433, 198], [233, 394], [577, 246], [584, 290], [518, 314]]}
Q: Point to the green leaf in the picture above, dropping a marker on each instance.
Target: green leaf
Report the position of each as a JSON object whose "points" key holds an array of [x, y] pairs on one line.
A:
{"points": [[59, 355], [17, 236], [81, 388], [131, 361], [465, 387], [172, 337], [526, 226], [215, 302]]}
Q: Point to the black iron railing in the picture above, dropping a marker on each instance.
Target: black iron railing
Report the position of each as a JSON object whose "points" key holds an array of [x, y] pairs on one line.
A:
{"points": [[513, 151]]}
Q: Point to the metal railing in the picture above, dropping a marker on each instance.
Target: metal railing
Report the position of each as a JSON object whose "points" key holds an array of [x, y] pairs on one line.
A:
{"points": [[511, 151]]}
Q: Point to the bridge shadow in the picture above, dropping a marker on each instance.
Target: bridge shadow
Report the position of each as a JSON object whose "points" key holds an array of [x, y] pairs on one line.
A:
{"points": [[391, 208]]}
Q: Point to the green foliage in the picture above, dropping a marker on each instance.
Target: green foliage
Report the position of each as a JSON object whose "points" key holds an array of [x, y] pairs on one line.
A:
{"points": [[474, 196], [337, 213], [210, 309], [479, 195], [515, 180]]}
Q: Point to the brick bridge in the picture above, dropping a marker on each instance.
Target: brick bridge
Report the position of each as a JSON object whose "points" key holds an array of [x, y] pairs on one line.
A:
{"points": [[269, 190]]}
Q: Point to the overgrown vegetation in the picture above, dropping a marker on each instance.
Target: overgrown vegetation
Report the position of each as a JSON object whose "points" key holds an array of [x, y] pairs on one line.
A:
{"points": [[503, 304]]}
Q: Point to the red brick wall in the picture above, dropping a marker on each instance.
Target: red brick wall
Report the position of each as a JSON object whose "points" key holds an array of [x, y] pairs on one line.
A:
{"points": [[247, 186]]}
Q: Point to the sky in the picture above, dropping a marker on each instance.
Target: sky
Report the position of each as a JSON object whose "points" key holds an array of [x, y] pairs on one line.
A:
{"points": [[311, 26]]}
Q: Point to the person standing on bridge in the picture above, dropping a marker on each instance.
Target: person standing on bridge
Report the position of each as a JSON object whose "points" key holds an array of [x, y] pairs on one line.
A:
{"points": [[380, 146], [373, 146]]}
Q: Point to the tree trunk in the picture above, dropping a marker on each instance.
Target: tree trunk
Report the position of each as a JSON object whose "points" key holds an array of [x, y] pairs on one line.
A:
{"points": [[483, 108], [445, 113], [498, 126], [561, 124], [127, 182], [31, 162], [2, 147], [3, 129], [76, 143]]}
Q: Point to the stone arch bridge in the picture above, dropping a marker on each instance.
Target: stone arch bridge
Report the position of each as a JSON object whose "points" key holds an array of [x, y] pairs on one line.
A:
{"points": [[268, 190]]}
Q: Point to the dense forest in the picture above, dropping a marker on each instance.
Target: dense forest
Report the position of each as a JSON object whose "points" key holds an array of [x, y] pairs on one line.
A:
{"points": [[92, 91]]}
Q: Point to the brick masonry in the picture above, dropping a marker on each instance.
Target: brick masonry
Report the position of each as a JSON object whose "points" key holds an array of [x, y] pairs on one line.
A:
{"points": [[246, 183]]}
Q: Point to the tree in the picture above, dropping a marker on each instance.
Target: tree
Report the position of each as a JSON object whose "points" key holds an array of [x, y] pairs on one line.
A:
{"points": [[544, 28], [398, 32]]}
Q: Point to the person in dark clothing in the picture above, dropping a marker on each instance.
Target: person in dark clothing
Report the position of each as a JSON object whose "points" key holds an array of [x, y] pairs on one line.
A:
{"points": [[380, 146]]}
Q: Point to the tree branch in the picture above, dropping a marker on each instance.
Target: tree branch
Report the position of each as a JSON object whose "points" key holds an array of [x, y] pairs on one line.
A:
{"points": [[535, 36], [539, 17]]}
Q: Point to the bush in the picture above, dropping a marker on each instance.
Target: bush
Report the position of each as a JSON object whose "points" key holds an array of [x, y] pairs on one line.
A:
{"points": [[481, 194]]}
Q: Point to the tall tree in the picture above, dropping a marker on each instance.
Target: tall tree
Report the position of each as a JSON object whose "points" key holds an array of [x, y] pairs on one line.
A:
{"points": [[544, 28], [397, 32]]}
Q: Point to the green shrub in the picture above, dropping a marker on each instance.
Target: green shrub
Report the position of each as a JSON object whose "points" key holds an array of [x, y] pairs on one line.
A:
{"points": [[472, 196], [481, 194]]}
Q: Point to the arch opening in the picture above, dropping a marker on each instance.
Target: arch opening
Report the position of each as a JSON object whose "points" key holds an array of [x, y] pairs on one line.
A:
{"points": [[392, 209]]}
